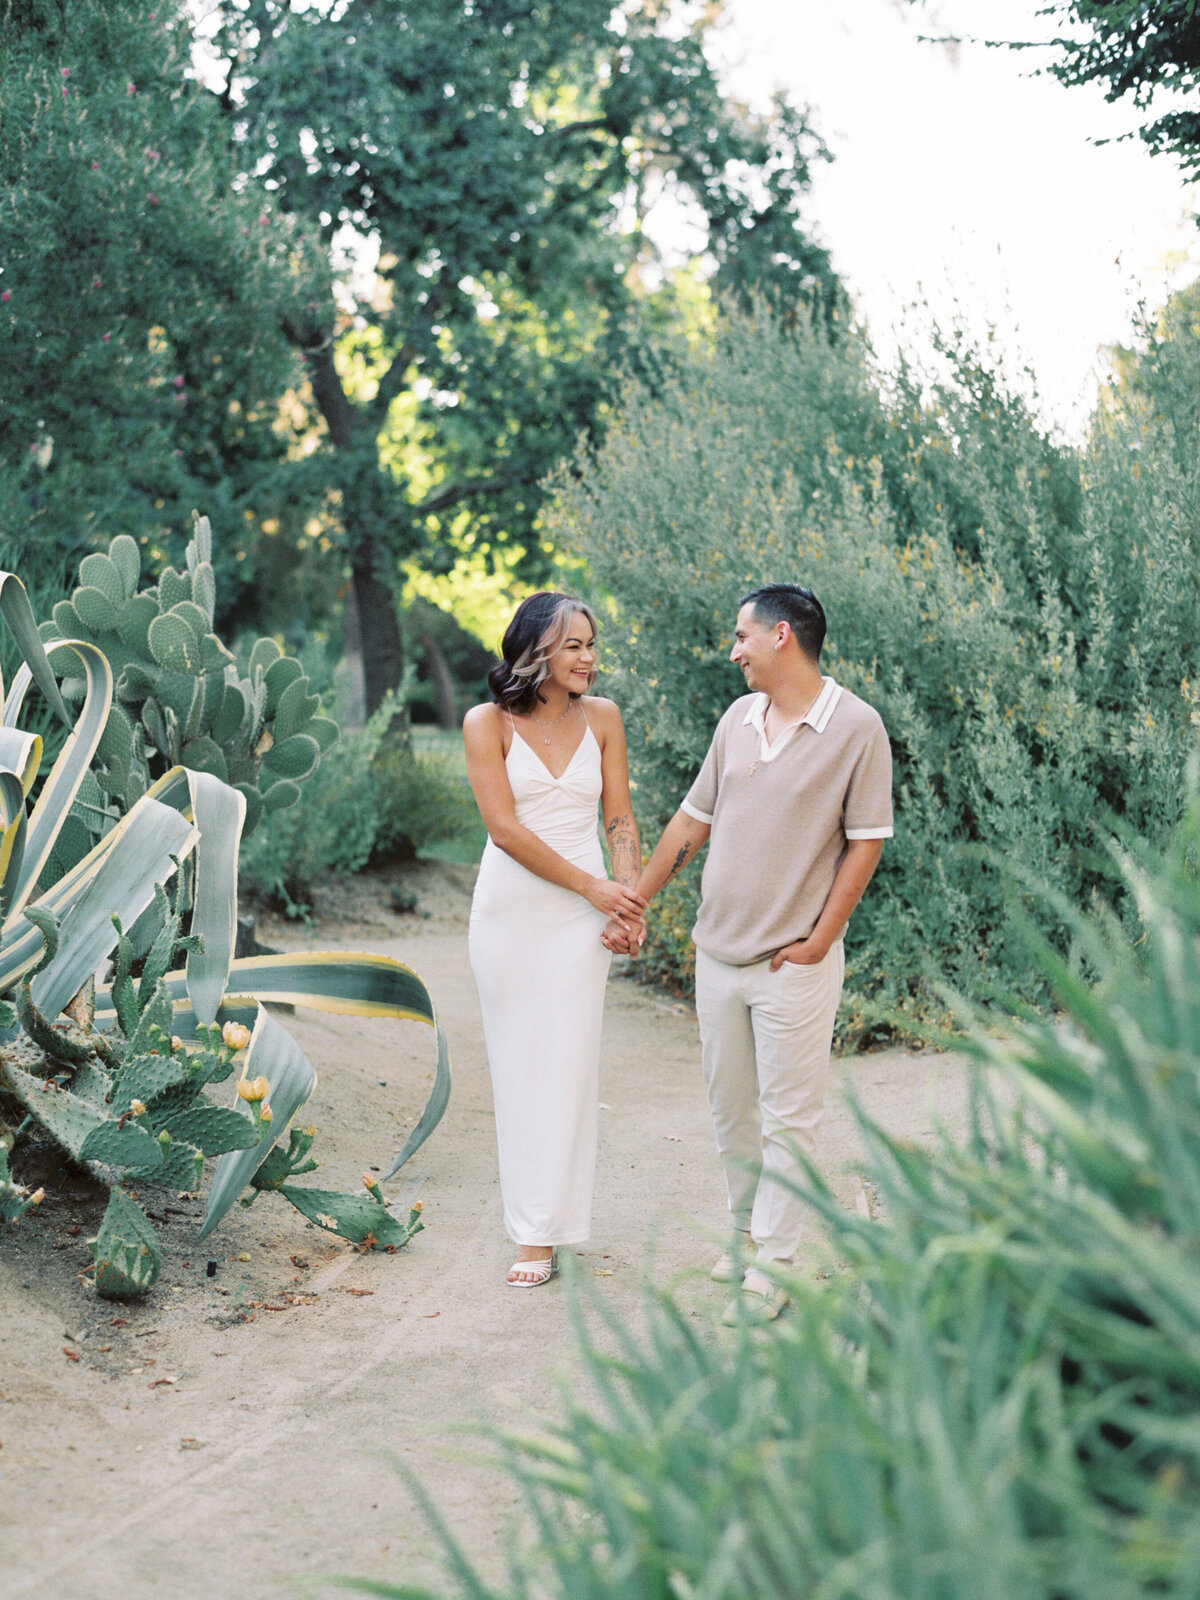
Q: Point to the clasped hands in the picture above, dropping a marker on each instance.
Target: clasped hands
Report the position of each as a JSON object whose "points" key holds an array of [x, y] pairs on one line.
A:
{"points": [[625, 908], [624, 938]]}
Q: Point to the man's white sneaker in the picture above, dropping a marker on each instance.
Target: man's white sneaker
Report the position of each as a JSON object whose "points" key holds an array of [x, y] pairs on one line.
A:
{"points": [[760, 1300], [728, 1266]]}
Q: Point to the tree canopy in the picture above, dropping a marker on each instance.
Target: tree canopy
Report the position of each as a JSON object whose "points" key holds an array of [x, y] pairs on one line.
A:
{"points": [[141, 358], [1137, 48], [500, 157]]}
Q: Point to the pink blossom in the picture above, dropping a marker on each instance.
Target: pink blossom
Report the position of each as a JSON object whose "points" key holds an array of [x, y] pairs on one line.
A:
{"points": [[152, 199], [97, 283], [107, 337], [64, 91], [263, 220], [6, 294], [131, 88], [95, 166], [246, 231], [151, 155], [66, 71], [177, 380]]}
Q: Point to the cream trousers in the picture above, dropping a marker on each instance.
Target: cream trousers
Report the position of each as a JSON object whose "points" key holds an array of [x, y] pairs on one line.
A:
{"points": [[765, 1039]]}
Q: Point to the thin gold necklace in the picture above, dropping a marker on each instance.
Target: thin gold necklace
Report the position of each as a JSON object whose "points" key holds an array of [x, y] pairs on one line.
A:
{"points": [[542, 723]]}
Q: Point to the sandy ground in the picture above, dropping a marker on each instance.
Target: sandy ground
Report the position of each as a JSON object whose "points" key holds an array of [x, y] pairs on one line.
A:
{"points": [[230, 1437]]}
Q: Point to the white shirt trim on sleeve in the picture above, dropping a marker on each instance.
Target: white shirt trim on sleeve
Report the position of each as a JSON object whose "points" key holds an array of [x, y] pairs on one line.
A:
{"points": [[868, 833], [698, 816]]}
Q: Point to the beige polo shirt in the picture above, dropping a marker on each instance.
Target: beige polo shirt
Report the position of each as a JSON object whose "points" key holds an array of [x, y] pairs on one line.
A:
{"points": [[781, 815]]}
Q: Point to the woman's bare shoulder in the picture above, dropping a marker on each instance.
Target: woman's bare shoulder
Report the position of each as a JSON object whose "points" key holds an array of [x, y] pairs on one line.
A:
{"points": [[604, 711], [483, 721]]}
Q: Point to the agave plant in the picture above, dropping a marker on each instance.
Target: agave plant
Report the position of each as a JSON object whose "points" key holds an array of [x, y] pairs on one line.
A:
{"points": [[119, 1076]]}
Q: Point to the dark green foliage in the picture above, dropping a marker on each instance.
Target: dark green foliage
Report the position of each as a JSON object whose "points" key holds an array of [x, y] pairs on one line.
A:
{"points": [[379, 801], [1141, 48], [997, 1395], [504, 157], [141, 357], [1023, 616]]}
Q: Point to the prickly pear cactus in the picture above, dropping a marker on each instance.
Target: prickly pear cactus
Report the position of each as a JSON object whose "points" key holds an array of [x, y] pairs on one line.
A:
{"points": [[128, 1259], [15, 1199], [178, 697]]}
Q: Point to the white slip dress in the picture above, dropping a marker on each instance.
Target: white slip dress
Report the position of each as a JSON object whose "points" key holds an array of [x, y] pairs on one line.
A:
{"points": [[541, 972]]}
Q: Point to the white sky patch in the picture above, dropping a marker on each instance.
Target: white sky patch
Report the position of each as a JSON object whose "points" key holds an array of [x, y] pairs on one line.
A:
{"points": [[960, 181]]}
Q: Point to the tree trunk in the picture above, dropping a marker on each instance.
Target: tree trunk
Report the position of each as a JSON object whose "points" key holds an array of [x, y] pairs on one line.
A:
{"points": [[443, 683], [378, 628]]}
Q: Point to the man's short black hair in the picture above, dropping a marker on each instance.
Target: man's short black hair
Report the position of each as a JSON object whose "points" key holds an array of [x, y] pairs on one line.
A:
{"points": [[794, 604]]}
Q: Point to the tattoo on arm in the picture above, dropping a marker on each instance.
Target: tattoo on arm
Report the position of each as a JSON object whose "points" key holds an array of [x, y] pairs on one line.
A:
{"points": [[680, 861], [623, 849]]}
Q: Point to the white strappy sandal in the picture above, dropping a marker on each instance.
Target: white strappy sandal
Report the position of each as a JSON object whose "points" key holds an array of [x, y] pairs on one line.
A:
{"points": [[539, 1272]]}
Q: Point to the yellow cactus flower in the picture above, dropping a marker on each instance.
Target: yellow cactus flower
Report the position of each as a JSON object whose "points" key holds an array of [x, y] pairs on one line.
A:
{"points": [[36, 1198], [176, 1042], [254, 1088], [265, 1113], [235, 1035], [137, 1108]]}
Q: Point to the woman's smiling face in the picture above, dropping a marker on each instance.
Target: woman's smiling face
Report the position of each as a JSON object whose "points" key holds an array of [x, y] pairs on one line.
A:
{"points": [[573, 664]]}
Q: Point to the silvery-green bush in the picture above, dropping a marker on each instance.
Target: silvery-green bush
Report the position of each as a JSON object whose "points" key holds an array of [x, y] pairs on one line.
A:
{"points": [[1024, 615]]}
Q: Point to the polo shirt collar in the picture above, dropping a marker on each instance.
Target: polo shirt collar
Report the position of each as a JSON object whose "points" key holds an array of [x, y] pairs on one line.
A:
{"points": [[816, 717]]}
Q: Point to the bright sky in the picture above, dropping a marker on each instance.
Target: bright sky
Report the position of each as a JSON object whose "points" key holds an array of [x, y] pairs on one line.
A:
{"points": [[959, 179]]}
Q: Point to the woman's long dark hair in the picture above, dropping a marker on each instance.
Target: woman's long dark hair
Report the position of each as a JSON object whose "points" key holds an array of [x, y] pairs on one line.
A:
{"points": [[537, 630]]}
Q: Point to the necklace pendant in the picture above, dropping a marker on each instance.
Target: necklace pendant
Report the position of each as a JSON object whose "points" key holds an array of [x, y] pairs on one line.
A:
{"points": [[546, 740], [753, 767]]}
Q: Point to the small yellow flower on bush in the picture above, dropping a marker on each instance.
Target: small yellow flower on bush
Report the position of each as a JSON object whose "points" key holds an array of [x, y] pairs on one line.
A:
{"points": [[253, 1089]]}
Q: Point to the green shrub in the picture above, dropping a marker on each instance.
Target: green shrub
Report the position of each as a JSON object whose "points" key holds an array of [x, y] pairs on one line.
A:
{"points": [[997, 1396], [373, 799], [1024, 616]]}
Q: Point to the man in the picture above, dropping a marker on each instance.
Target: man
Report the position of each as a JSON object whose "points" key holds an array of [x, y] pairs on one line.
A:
{"points": [[794, 798]]}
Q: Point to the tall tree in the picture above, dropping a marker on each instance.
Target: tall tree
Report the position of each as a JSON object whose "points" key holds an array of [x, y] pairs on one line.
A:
{"points": [[1140, 48], [501, 157], [141, 356]]}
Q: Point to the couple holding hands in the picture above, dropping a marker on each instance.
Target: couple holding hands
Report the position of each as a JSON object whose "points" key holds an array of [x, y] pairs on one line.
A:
{"points": [[794, 802]]}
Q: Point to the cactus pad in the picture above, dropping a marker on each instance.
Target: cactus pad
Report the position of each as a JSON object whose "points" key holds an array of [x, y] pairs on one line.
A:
{"points": [[181, 1169], [362, 1218], [125, 1250], [212, 1129], [117, 1146], [143, 1078]]}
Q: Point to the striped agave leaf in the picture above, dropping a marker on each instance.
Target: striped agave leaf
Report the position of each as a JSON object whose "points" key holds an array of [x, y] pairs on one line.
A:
{"points": [[62, 785], [12, 835], [275, 1055], [145, 854], [18, 613], [350, 983], [219, 812]]}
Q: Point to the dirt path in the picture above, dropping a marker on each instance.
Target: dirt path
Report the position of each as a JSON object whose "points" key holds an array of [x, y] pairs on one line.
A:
{"points": [[230, 1435]]}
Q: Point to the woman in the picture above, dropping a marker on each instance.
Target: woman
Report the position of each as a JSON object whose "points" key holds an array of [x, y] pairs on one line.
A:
{"points": [[540, 758]]}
